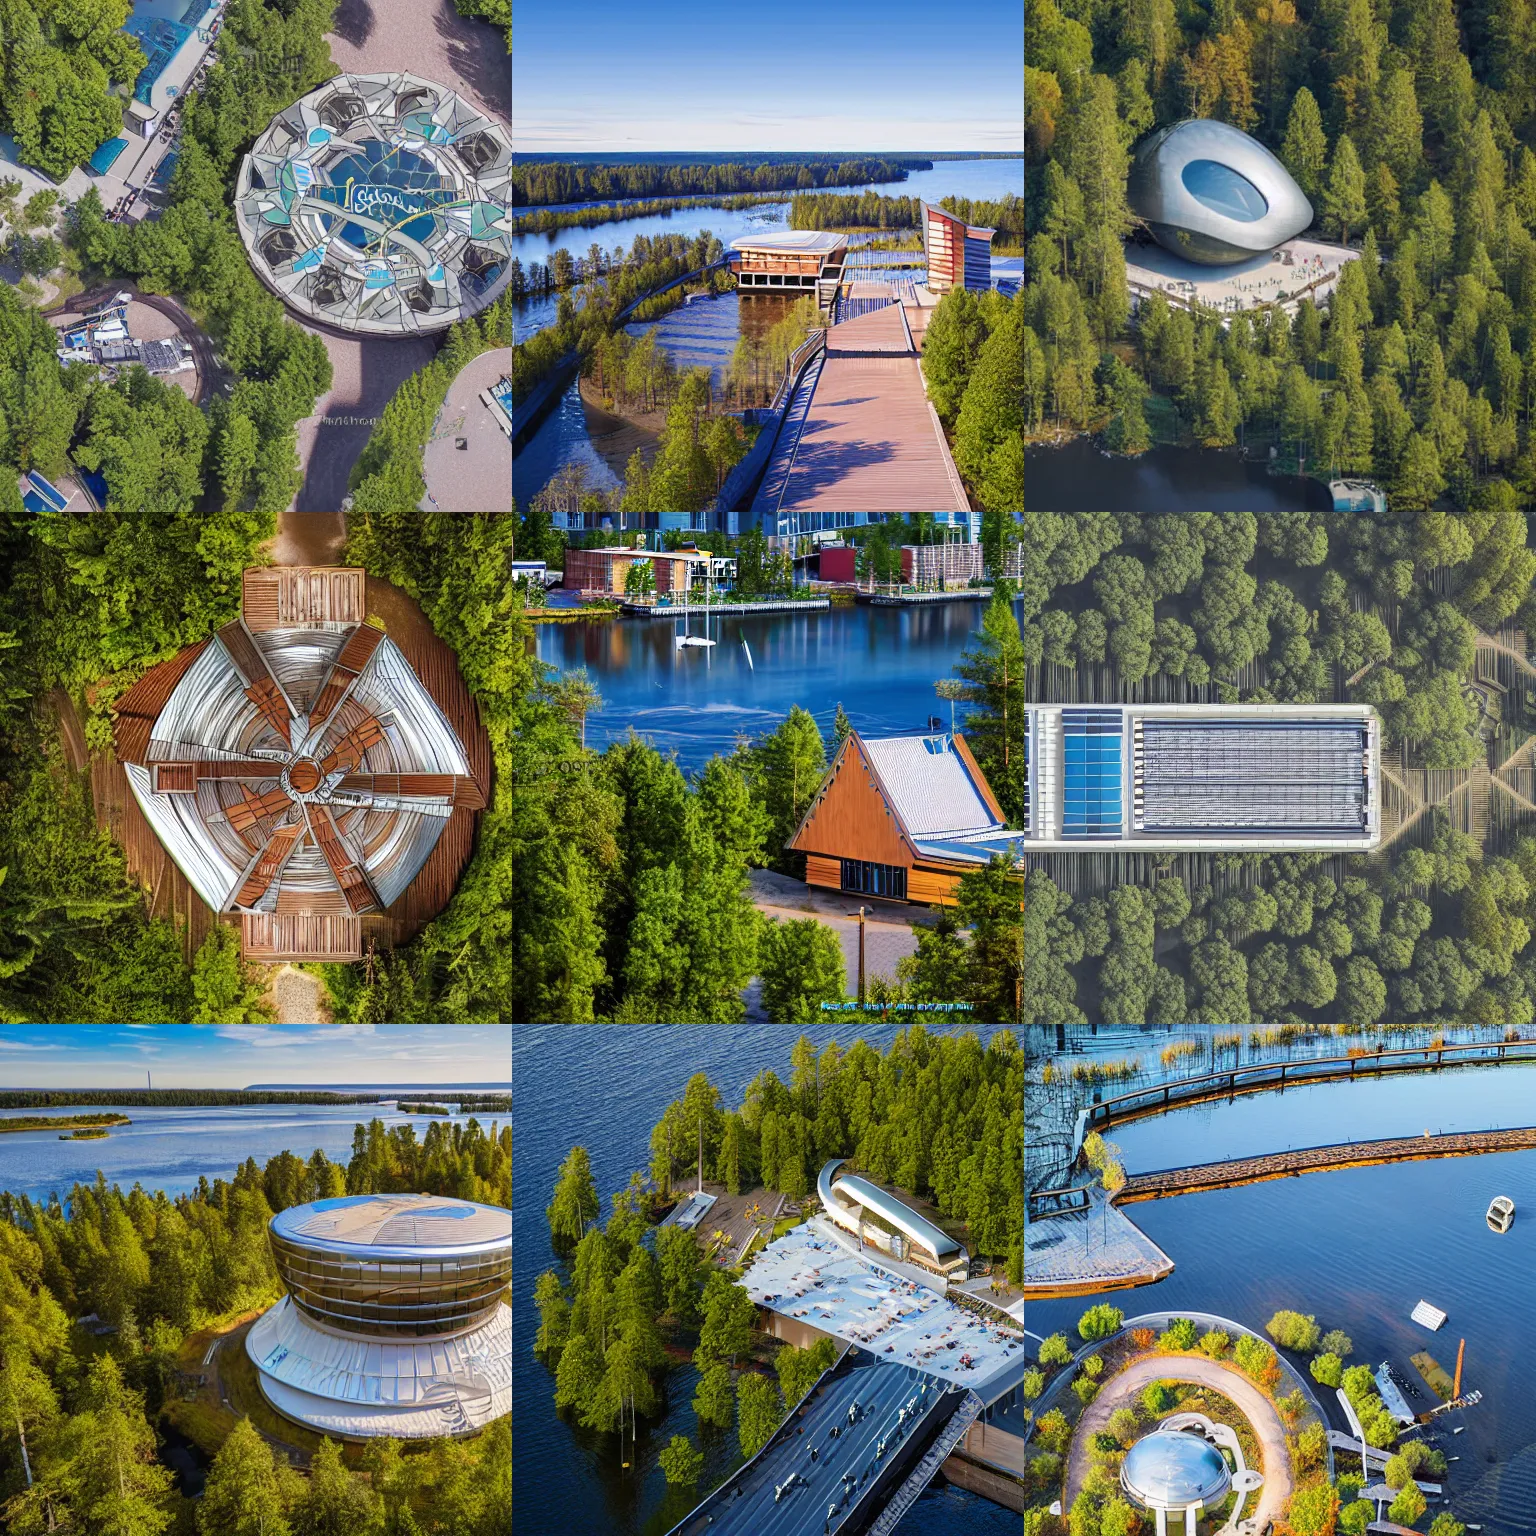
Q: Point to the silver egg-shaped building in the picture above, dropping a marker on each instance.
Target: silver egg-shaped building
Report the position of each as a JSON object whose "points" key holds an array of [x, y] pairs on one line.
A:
{"points": [[395, 1320], [1213, 195]]}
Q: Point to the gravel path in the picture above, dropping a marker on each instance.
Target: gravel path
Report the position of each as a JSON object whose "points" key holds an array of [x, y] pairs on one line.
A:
{"points": [[298, 997]]}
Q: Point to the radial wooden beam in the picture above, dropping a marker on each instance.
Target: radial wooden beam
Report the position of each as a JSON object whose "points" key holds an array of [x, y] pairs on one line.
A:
{"points": [[348, 752], [459, 788], [251, 808], [348, 872], [345, 671], [268, 864], [262, 688]]}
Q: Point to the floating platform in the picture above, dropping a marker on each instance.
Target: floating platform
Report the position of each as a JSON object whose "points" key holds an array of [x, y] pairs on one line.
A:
{"points": [[1429, 1317], [1436, 1377]]}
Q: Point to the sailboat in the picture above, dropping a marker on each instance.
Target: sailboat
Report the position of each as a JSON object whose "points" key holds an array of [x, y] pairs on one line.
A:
{"points": [[685, 638]]}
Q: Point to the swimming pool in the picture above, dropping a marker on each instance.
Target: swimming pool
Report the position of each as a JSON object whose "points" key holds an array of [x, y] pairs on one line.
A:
{"points": [[161, 40]]}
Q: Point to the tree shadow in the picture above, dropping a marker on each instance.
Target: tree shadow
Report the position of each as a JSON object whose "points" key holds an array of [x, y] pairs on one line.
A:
{"points": [[353, 22], [478, 52]]}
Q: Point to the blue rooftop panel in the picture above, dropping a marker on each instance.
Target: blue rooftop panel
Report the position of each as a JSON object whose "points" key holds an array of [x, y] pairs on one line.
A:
{"points": [[1092, 794]]}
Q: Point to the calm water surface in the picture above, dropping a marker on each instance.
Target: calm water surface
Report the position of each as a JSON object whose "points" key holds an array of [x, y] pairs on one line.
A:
{"points": [[1079, 476], [1359, 1247], [881, 663], [605, 1093], [171, 1148]]}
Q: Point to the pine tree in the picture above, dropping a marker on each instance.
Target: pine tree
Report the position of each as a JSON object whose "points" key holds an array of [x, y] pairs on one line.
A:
{"points": [[1344, 197], [1304, 150]]}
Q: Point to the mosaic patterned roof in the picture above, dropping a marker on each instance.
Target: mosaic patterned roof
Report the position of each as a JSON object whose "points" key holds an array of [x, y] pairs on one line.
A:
{"points": [[380, 204]]}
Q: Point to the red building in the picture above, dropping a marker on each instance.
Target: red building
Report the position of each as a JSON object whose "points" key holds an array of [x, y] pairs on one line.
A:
{"points": [[959, 254]]}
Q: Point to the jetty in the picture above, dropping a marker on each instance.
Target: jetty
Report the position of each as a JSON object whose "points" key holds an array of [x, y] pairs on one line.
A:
{"points": [[724, 610], [1348, 1154]]}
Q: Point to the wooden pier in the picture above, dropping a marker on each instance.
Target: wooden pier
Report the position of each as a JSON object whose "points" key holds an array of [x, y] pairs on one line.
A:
{"points": [[1349, 1154]]}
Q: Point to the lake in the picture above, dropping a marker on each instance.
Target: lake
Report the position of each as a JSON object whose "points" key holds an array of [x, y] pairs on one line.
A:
{"points": [[1079, 476], [1358, 1248], [881, 663], [170, 1148], [604, 1087]]}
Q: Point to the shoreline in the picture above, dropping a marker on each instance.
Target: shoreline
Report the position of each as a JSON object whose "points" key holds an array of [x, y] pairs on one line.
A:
{"points": [[617, 437]]}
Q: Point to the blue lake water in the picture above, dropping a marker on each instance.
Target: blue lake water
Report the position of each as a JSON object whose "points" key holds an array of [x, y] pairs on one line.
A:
{"points": [[603, 1087], [1359, 1248], [171, 1148], [880, 663]]}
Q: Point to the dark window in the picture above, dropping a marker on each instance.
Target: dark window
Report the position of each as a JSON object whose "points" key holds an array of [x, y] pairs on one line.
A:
{"points": [[1223, 191], [889, 880]]}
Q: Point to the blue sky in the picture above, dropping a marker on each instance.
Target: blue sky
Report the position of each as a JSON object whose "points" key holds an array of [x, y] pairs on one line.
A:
{"points": [[669, 76], [235, 1056]]}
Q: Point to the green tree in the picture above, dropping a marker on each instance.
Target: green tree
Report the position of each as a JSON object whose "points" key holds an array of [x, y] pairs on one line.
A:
{"points": [[246, 1494], [575, 1200], [224, 990], [1100, 1321], [802, 967], [759, 1411], [680, 1461], [714, 1400], [335, 1503], [1304, 150]]}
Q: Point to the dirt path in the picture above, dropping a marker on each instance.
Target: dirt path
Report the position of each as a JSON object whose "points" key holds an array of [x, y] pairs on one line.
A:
{"points": [[1261, 1414], [69, 728], [617, 437], [296, 997], [309, 538]]}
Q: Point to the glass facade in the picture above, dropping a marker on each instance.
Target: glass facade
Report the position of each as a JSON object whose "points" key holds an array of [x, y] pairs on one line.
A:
{"points": [[875, 879], [1224, 191], [393, 1297]]}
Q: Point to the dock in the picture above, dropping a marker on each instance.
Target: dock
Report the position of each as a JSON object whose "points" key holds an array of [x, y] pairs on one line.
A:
{"points": [[723, 610], [906, 599], [1349, 1154]]}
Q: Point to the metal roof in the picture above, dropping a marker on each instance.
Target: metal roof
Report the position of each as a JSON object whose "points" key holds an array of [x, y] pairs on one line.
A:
{"points": [[369, 1224], [1174, 1470], [793, 240], [929, 786], [887, 1206]]}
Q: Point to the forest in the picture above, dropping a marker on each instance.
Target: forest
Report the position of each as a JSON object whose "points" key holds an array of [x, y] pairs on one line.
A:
{"points": [[877, 210], [80, 1455], [148, 1098], [1301, 607], [627, 880], [1409, 128], [541, 182], [973, 363], [592, 215], [938, 1115]]}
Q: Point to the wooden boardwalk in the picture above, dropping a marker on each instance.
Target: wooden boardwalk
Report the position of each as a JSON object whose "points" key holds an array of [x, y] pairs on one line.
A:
{"points": [[1349, 1154]]}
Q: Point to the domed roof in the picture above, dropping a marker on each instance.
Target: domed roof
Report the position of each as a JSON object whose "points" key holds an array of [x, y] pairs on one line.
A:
{"points": [[1174, 1470], [395, 1221]]}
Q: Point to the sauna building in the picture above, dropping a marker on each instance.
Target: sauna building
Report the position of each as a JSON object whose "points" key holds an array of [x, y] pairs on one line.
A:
{"points": [[884, 1222], [395, 1320], [1197, 777], [903, 818], [959, 255]]}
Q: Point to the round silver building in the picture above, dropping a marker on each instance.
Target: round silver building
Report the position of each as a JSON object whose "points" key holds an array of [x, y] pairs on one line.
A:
{"points": [[396, 1320], [1174, 1475], [380, 204], [1212, 195]]}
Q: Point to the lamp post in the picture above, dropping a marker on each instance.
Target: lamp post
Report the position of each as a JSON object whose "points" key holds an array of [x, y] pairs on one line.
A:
{"points": [[860, 915]]}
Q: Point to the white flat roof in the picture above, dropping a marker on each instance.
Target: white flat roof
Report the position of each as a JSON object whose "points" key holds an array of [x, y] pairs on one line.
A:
{"points": [[808, 240]]}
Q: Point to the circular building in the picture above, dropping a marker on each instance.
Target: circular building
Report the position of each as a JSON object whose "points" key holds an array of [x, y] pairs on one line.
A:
{"points": [[1212, 195], [380, 204], [1175, 1473], [395, 1321], [300, 773]]}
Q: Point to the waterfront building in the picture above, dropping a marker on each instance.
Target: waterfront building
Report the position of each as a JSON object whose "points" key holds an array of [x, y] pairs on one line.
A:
{"points": [[902, 817], [299, 771], [1211, 194], [1202, 777], [884, 1222], [959, 255], [395, 1320], [1175, 1473], [605, 572], [380, 204], [791, 261], [930, 565]]}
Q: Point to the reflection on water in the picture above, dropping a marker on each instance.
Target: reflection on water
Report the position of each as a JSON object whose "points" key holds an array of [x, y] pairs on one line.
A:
{"points": [[561, 439], [881, 663], [1079, 476], [1359, 1247]]}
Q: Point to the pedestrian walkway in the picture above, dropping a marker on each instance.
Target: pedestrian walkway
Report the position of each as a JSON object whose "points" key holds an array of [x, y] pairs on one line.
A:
{"points": [[1079, 1253]]}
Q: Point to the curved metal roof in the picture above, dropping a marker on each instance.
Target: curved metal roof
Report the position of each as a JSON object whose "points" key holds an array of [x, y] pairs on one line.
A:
{"points": [[296, 770], [1174, 1470], [380, 1226], [888, 1207]]}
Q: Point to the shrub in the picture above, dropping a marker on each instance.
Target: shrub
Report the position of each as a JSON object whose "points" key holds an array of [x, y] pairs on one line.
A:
{"points": [[680, 1462], [1093, 1366], [1292, 1330], [1038, 1521], [1100, 1322], [1358, 1384], [1117, 1518], [1086, 1388], [1446, 1524], [1045, 1469], [1254, 1357], [1125, 1426], [1053, 1431], [1143, 1338], [1354, 1518], [1312, 1446], [1214, 1344], [1055, 1350], [1181, 1333], [1408, 1506], [1337, 1342], [1380, 1427], [1156, 1398], [1034, 1383], [1327, 1368], [1292, 1406], [1410, 1460], [1313, 1510], [1105, 1444]]}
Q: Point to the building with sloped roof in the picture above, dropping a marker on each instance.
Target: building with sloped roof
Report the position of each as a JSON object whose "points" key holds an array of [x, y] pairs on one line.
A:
{"points": [[395, 1320], [903, 817], [297, 769]]}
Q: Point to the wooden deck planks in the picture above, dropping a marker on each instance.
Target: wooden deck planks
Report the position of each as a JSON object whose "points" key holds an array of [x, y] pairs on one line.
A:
{"points": [[286, 596]]}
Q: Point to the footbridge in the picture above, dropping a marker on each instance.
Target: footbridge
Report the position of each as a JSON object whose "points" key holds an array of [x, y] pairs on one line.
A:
{"points": [[1268, 1076]]}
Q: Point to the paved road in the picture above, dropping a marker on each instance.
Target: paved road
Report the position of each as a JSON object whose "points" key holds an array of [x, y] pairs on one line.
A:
{"points": [[1267, 1428]]}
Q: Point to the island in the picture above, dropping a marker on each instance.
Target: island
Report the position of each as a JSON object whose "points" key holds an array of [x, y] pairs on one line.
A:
{"points": [[87, 1133], [56, 1122]]}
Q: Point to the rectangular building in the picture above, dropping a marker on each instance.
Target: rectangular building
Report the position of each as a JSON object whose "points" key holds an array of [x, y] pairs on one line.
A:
{"points": [[798, 260], [959, 255], [1192, 777], [928, 565], [605, 572]]}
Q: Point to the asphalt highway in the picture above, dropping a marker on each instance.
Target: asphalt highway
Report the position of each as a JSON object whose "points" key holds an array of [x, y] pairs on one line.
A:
{"points": [[805, 1507]]}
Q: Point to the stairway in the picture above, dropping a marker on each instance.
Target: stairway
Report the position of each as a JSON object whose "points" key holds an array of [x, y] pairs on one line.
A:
{"points": [[771, 492], [922, 1474]]}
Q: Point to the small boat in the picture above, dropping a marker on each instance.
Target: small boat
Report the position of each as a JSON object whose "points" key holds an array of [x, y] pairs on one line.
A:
{"points": [[683, 640], [1501, 1213]]}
